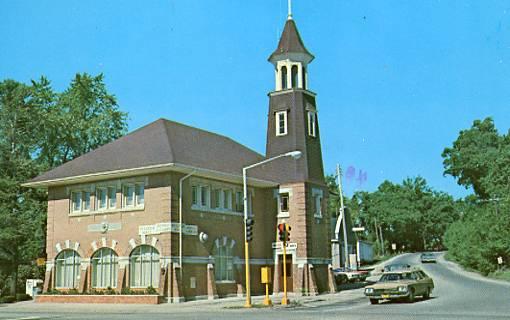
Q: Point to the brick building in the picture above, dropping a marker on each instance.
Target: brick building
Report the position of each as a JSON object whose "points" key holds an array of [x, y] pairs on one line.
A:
{"points": [[162, 207]]}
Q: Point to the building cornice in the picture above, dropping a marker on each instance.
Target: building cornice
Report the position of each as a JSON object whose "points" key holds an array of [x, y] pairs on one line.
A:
{"points": [[286, 91], [160, 168]]}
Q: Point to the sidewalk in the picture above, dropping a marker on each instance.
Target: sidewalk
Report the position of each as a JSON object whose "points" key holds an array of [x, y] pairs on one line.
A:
{"points": [[353, 296]]}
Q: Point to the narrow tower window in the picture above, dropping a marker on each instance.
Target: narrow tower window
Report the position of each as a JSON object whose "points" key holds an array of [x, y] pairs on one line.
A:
{"points": [[304, 78], [294, 71], [284, 77], [311, 123], [281, 123]]}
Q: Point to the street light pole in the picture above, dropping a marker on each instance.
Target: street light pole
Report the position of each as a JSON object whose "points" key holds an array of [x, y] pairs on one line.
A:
{"points": [[294, 154]]}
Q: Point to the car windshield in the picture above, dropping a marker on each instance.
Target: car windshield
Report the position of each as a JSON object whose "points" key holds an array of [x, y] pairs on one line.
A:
{"points": [[427, 255], [395, 277], [393, 267]]}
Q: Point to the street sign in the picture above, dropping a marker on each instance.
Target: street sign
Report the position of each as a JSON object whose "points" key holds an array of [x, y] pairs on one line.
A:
{"points": [[358, 229], [500, 260], [394, 246]]}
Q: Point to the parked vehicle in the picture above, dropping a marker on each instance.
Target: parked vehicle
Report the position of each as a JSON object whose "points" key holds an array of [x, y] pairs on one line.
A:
{"points": [[404, 284], [343, 275], [428, 257], [396, 267]]}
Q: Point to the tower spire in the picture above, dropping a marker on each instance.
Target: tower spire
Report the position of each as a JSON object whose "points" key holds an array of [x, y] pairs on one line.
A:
{"points": [[289, 16]]}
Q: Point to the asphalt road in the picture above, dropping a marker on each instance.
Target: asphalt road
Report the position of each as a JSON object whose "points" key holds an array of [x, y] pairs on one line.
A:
{"points": [[456, 296]]}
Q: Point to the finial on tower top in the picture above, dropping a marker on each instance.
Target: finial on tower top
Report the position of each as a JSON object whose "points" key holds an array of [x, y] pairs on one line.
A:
{"points": [[289, 16]]}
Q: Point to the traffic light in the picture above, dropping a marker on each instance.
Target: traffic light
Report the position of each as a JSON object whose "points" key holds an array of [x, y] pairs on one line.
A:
{"points": [[287, 232], [281, 231], [249, 229]]}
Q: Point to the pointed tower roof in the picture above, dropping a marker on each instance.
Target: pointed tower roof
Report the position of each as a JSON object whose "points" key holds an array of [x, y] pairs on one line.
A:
{"points": [[291, 44]]}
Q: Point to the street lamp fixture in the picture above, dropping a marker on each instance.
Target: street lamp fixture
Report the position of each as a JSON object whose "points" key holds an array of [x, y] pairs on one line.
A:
{"points": [[295, 155]]}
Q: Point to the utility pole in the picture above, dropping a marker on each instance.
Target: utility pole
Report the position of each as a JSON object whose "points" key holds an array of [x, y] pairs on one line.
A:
{"points": [[342, 215], [377, 235], [382, 240]]}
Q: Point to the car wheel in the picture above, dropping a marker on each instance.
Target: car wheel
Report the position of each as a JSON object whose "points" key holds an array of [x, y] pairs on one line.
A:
{"points": [[410, 298], [426, 295], [374, 301]]}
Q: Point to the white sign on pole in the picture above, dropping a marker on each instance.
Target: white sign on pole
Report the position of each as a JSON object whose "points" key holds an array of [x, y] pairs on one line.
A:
{"points": [[394, 246], [500, 260]]}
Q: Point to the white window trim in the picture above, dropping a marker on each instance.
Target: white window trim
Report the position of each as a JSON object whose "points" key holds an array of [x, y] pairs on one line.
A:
{"points": [[277, 122], [134, 206], [108, 207], [312, 120], [222, 187], [82, 191], [317, 195], [288, 191], [116, 185]]}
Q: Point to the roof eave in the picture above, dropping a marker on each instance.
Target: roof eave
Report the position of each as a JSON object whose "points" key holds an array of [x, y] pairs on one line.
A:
{"points": [[168, 167]]}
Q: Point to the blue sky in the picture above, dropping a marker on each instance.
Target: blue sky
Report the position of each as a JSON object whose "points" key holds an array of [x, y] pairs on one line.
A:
{"points": [[396, 80]]}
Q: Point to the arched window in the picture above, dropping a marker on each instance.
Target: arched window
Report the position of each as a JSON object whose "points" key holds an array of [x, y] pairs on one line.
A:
{"points": [[223, 260], [144, 267], [284, 78], [304, 78], [67, 269], [105, 264], [294, 77]]}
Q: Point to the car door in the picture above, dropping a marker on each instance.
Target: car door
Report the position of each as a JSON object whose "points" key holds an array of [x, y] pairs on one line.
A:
{"points": [[426, 280], [420, 286]]}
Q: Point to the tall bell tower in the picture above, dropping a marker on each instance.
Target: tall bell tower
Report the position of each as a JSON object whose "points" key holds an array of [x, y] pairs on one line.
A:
{"points": [[301, 198]]}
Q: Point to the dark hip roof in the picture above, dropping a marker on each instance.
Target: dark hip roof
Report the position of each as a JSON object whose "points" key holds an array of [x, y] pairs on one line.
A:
{"points": [[160, 142]]}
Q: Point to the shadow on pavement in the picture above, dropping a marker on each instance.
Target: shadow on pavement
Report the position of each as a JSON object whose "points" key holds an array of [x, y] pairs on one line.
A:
{"points": [[417, 300]]}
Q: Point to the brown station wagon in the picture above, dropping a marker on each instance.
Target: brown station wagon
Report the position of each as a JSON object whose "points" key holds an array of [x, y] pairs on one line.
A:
{"points": [[404, 284]]}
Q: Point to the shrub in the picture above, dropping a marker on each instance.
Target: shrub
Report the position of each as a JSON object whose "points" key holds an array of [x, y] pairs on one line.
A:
{"points": [[150, 290], [23, 297], [7, 299], [110, 291], [128, 291]]}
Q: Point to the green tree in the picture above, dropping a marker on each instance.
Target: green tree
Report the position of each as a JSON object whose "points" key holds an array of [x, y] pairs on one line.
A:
{"points": [[82, 118], [411, 214], [480, 158], [469, 159], [41, 129]]}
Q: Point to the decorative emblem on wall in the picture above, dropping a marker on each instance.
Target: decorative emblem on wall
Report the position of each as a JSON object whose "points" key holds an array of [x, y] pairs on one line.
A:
{"points": [[104, 227]]}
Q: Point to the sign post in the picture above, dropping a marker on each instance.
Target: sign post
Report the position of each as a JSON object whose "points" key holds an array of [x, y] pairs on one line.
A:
{"points": [[284, 299]]}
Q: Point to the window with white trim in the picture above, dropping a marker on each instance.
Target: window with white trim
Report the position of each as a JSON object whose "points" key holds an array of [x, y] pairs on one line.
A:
{"points": [[133, 195], [201, 196], [67, 269], [106, 198], [112, 197], [223, 262], [239, 201], [284, 202], [281, 123], [80, 201], [144, 267], [226, 199], [317, 195], [312, 120], [105, 265]]}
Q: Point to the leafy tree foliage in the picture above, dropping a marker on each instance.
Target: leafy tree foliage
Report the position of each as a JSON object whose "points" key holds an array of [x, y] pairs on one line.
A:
{"points": [[410, 214], [475, 157], [480, 158], [41, 129]]}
